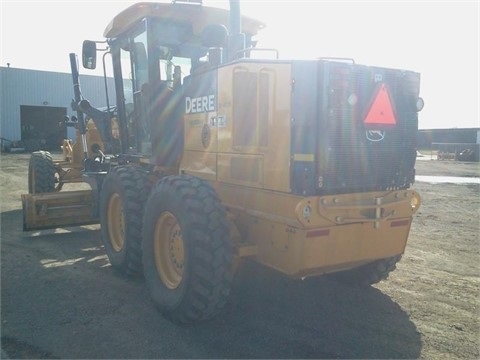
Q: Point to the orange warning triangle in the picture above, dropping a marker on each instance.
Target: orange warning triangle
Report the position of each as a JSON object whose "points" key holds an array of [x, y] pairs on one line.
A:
{"points": [[381, 111]]}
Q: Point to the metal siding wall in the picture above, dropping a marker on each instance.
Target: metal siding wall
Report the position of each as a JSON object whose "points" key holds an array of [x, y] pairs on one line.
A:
{"points": [[42, 88]]}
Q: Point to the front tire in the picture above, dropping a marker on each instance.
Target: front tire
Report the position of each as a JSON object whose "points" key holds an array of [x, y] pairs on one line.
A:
{"points": [[122, 200], [187, 254], [41, 173]]}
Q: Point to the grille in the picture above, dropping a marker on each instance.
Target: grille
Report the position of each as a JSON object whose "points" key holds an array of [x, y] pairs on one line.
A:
{"points": [[353, 157]]}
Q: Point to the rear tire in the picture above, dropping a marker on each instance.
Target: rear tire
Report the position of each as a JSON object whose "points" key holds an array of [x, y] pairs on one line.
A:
{"points": [[187, 253], [368, 274], [41, 173], [122, 200]]}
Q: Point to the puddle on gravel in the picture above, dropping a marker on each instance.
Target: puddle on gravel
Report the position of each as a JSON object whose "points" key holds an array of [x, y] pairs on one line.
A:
{"points": [[447, 179]]}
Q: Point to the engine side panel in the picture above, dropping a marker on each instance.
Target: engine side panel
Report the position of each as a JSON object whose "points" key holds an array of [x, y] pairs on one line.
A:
{"points": [[243, 121]]}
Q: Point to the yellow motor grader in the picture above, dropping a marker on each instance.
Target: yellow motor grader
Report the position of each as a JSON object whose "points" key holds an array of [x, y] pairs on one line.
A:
{"points": [[226, 152]]}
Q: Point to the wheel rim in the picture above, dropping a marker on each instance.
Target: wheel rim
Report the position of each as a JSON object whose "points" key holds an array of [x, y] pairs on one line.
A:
{"points": [[58, 181], [116, 222], [169, 250]]}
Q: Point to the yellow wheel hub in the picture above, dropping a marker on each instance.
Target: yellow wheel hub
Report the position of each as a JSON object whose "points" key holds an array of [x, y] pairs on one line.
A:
{"points": [[169, 250], [116, 222]]}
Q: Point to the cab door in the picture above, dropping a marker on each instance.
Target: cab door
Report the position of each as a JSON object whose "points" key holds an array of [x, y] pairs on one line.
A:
{"points": [[130, 66]]}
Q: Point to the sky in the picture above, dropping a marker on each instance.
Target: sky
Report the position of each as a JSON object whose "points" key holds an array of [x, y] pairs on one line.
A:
{"points": [[438, 39]]}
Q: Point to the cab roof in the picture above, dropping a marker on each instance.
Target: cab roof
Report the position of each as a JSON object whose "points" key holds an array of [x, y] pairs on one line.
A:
{"points": [[198, 15]]}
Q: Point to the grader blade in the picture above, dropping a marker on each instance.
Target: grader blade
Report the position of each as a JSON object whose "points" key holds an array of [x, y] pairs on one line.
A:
{"points": [[53, 210]]}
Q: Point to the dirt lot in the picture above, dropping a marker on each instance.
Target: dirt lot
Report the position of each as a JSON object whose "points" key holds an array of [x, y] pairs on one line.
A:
{"points": [[60, 298]]}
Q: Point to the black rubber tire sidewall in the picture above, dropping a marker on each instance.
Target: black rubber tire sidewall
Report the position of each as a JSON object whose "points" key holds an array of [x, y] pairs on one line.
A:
{"points": [[41, 173], [130, 183], [368, 274], [203, 222]]}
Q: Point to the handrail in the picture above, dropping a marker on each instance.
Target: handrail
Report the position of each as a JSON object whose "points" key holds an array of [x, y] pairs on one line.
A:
{"points": [[243, 51], [346, 59]]}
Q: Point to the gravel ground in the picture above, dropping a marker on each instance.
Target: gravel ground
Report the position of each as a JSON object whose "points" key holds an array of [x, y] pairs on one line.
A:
{"points": [[61, 299]]}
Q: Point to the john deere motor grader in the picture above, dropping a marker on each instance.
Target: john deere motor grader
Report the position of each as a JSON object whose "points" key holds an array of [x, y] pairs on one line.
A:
{"points": [[228, 153]]}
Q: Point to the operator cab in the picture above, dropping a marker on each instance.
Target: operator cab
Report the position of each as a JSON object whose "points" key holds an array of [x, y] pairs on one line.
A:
{"points": [[155, 49]]}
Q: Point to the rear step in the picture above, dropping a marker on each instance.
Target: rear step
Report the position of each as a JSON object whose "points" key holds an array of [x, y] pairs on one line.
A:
{"points": [[52, 210]]}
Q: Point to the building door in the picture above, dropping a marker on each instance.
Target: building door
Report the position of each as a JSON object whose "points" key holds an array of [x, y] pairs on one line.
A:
{"points": [[43, 127]]}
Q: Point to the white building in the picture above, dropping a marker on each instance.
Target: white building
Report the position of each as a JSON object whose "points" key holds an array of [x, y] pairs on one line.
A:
{"points": [[33, 105]]}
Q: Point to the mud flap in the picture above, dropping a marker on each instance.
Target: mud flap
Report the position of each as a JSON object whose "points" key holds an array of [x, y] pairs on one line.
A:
{"points": [[60, 209]]}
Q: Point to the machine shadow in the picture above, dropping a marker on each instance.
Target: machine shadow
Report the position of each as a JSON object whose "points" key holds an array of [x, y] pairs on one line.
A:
{"points": [[267, 316], [270, 316], [65, 242], [11, 225]]}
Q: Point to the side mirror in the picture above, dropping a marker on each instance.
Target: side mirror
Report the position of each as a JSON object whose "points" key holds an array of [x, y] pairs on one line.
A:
{"points": [[89, 54]]}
